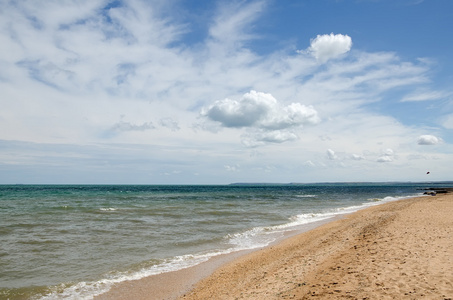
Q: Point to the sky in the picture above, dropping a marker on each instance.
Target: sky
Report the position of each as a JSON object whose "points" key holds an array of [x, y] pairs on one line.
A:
{"points": [[217, 92]]}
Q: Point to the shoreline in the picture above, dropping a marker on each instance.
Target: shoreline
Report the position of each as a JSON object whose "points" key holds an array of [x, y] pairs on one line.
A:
{"points": [[231, 276], [175, 284]]}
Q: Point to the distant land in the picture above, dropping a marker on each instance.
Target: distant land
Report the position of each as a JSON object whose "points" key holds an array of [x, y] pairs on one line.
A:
{"points": [[345, 183]]}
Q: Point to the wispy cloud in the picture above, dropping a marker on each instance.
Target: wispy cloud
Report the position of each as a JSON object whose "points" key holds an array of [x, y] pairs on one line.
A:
{"points": [[230, 26], [426, 95]]}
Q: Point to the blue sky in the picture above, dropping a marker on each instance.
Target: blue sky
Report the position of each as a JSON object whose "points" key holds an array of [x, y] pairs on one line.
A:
{"points": [[214, 92]]}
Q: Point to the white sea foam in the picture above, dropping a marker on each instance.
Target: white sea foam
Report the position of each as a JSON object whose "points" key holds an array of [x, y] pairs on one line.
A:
{"points": [[88, 290], [108, 209], [263, 236], [254, 238]]}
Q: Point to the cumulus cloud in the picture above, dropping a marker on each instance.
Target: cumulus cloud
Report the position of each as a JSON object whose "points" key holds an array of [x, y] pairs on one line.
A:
{"points": [[261, 137], [170, 124], [325, 47], [267, 120], [246, 112], [385, 159], [123, 126], [127, 126], [309, 163], [387, 156], [260, 110], [428, 140], [357, 157], [388, 152], [233, 168], [331, 154]]}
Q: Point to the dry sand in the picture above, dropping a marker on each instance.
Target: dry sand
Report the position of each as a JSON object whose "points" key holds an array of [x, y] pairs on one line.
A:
{"points": [[397, 250]]}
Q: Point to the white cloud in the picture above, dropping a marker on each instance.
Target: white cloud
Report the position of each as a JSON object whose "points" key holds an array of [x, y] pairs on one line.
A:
{"points": [[127, 126], [331, 154], [260, 137], [388, 152], [325, 47], [234, 168], [357, 157], [416, 157], [231, 25], [428, 140], [270, 121], [170, 124], [247, 112], [425, 95], [260, 110], [292, 115], [447, 121], [309, 163], [387, 156]]}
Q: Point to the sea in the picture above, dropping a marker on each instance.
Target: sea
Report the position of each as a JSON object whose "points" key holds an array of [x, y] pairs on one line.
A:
{"points": [[76, 241]]}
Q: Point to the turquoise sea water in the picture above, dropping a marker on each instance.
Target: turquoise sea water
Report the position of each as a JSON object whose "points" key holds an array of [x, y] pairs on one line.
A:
{"points": [[74, 242]]}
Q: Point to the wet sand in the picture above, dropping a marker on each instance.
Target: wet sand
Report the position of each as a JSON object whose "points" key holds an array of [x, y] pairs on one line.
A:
{"points": [[397, 250]]}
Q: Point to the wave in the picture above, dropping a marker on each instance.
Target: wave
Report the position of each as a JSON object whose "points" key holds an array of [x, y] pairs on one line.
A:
{"points": [[108, 209], [88, 290]]}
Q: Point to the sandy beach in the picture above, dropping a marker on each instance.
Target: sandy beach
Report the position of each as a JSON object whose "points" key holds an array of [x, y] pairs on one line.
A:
{"points": [[397, 250]]}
